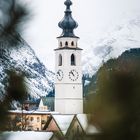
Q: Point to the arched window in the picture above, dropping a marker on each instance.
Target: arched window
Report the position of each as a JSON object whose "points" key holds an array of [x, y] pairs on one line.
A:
{"points": [[73, 60], [60, 60], [60, 44], [38, 119], [66, 43], [72, 43]]}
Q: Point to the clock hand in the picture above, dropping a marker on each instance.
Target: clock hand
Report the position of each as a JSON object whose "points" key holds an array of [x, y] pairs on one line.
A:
{"points": [[72, 73], [58, 73]]}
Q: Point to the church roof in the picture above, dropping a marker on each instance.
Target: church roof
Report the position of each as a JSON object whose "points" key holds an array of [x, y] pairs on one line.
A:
{"points": [[41, 103], [62, 122], [83, 120], [88, 128], [68, 24]]}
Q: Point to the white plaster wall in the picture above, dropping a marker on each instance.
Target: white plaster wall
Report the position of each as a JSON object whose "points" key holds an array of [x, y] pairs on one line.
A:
{"points": [[69, 106], [69, 91], [66, 66]]}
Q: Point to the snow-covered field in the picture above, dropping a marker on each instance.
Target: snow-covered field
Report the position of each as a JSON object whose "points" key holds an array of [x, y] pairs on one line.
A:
{"points": [[28, 135]]}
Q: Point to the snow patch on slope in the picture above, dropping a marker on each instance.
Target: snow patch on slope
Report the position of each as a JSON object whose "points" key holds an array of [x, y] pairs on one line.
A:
{"points": [[120, 38], [21, 57]]}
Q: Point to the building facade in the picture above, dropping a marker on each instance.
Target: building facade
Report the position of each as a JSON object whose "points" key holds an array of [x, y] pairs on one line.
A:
{"points": [[28, 120]]}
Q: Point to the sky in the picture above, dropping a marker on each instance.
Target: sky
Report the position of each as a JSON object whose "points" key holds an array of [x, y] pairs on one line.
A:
{"points": [[95, 19]]}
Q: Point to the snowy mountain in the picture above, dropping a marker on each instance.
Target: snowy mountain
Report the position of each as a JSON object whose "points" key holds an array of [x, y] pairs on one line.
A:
{"points": [[122, 37], [40, 81], [16, 54]]}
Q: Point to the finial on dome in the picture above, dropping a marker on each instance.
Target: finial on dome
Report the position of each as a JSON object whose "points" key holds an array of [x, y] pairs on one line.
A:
{"points": [[68, 24], [68, 3]]}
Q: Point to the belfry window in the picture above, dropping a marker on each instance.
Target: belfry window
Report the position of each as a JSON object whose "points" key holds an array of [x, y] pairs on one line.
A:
{"points": [[73, 60], [72, 43], [60, 44], [66, 43], [60, 60]]}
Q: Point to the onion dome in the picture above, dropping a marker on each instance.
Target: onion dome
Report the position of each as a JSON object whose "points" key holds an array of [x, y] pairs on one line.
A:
{"points": [[68, 24]]}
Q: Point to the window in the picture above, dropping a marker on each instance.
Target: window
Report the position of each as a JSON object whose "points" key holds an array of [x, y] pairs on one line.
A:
{"points": [[60, 60], [31, 118], [72, 43], [73, 60], [66, 43], [38, 119], [60, 44]]}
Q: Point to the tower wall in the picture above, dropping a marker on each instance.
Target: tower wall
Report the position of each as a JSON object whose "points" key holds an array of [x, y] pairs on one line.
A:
{"points": [[69, 106], [68, 93]]}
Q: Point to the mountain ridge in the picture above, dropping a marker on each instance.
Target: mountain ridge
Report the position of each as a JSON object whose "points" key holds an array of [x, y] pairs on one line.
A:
{"points": [[16, 54], [129, 58], [118, 39]]}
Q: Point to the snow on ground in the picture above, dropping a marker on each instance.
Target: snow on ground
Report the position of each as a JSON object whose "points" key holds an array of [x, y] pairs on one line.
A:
{"points": [[33, 112], [29, 135]]}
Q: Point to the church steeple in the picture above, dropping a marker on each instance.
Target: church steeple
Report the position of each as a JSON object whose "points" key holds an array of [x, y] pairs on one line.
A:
{"points": [[68, 24], [68, 67]]}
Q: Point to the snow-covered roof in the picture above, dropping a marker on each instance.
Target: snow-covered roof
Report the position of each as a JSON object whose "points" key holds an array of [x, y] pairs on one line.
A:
{"points": [[41, 103], [89, 129], [33, 112], [83, 120], [63, 122], [27, 135]]}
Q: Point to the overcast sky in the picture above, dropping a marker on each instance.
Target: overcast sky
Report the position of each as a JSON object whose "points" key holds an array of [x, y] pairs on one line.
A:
{"points": [[95, 18]]}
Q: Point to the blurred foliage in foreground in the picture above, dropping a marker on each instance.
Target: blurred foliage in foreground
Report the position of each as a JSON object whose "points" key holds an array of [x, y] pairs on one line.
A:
{"points": [[15, 91], [13, 13], [115, 103]]}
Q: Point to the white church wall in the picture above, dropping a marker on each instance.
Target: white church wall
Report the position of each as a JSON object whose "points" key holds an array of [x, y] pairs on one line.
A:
{"points": [[68, 106]]}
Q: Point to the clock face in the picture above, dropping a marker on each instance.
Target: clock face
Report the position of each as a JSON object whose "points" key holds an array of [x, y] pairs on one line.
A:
{"points": [[59, 75], [73, 75]]}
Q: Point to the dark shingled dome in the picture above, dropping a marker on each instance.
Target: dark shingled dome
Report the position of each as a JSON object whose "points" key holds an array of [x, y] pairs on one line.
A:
{"points": [[68, 24]]}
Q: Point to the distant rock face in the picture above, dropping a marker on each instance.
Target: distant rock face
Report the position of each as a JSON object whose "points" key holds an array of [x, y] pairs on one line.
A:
{"points": [[131, 56], [16, 54]]}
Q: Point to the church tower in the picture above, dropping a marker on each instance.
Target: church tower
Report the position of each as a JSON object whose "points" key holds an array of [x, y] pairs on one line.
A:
{"points": [[68, 67]]}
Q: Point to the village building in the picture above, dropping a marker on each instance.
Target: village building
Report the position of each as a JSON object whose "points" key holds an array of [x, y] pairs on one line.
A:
{"points": [[30, 105], [70, 126], [59, 123], [30, 118], [42, 105]]}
